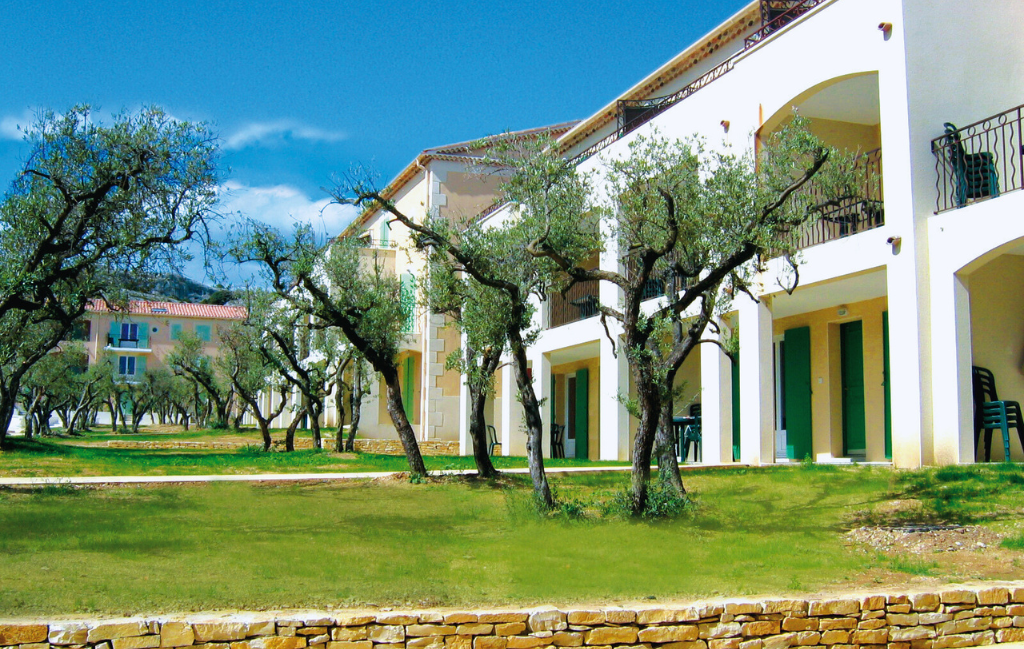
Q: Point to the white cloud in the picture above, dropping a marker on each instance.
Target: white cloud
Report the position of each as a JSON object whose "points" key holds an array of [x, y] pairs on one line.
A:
{"points": [[257, 133], [282, 206], [13, 127]]}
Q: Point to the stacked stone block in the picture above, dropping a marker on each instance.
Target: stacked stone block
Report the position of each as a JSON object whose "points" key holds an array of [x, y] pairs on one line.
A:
{"points": [[955, 617]]}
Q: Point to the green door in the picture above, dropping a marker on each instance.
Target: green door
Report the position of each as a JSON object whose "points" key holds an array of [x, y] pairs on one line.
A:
{"points": [[736, 408], [851, 346], [582, 413], [797, 390], [408, 386], [885, 385]]}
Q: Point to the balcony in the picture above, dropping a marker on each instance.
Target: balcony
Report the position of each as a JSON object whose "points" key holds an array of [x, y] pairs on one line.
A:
{"points": [[579, 303], [840, 218], [980, 161], [378, 243], [116, 342]]}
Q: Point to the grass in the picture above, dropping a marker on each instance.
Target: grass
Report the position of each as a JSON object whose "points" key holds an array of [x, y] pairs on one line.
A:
{"points": [[960, 494], [34, 458], [125, 550]]}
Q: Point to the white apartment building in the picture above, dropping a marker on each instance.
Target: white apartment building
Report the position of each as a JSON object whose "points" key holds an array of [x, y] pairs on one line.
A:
{"points": [[902, 290]]}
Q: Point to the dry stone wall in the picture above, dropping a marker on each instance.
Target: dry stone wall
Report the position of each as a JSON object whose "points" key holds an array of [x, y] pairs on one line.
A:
{"points": [[954, 617]]}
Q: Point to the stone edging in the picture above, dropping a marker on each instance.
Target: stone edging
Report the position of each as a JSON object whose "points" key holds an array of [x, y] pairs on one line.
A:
{"points": [[946, 618]]}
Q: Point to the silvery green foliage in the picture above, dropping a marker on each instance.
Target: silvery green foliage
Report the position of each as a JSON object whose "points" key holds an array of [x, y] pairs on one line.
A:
{"points": [[93, 204]]}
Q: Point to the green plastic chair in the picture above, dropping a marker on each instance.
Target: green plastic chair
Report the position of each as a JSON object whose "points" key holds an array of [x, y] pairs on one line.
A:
{"points": [[557, 441], [691, 435], [974, 173], [992, 414], [492, 439]]}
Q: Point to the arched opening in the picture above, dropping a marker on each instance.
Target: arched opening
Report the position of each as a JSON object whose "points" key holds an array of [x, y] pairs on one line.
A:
{"points": [[995, 289], [844, 113]]}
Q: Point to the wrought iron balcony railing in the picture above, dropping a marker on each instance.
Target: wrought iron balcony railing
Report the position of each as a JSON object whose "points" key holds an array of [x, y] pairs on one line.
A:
{"points": [[979, 161], [579, 303], [376, 242], [776, 14], [836, 219], [122, 343]]}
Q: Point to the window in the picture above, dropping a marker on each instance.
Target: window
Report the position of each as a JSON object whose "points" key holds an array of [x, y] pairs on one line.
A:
{"points": [[126, 365], [203, 331], [175, 331], [129, 331]]}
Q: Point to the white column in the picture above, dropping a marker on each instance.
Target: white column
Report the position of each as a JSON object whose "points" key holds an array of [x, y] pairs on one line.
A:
{"points": [[716, 401], [614, 381], [511, 411], [614, 373], [542, 388], [911, 437], [757, 426], [952, 406]]}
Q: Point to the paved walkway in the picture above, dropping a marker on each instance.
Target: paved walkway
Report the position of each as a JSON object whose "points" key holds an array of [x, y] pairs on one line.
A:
{"points": [[296, 477]]}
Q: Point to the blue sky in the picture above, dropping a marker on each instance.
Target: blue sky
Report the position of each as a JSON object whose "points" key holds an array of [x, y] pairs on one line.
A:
{"points": [[300, 90]]}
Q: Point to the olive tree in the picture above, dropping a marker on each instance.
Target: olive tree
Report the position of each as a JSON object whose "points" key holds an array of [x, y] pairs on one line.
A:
{"points": [[344, 287], [679, 212], [92, 204], [496, 256], [248, 360]]}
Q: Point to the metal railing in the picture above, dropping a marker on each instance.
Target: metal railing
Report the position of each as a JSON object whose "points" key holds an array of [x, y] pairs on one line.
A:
{"points": [[979, 161], [579, 303], [836, 219], [776, 14], [122, 343], [375, 242], [661, 283]]}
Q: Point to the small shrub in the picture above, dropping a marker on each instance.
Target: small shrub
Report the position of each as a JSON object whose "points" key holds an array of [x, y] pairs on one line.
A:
{"points": [[573, 509], [219, 425], [662, 503]]}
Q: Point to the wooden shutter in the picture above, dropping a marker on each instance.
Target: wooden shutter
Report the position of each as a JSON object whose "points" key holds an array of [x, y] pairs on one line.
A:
{"points": [[736, 408], [408, 386], [886, 384], [851, 336]]}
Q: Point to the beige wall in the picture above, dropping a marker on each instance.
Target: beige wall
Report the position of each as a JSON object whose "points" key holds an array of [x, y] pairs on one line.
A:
{"points": [[826, 384], [847, 135], [468, 194], [997, 334], [593, 365], [158, 328]]}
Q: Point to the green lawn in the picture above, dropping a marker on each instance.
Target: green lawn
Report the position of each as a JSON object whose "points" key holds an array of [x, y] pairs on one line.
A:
{"points": [[35, 458], [214, 546]]}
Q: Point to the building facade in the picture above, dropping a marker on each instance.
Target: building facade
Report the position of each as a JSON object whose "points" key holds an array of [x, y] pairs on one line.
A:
{"points": [[903, 289], [140, 340], [452, 182]]}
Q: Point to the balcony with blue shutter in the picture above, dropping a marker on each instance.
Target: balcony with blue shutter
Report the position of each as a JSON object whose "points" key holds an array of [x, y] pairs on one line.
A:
{"points": [[128, 335]]}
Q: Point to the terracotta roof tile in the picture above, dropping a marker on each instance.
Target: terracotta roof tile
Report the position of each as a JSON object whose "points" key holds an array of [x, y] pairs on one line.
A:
{"points": [[177, 309]]}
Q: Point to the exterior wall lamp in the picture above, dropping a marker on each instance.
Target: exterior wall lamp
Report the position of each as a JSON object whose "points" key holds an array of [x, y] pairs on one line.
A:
{"points": [[886, 29], [895, 242]]}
